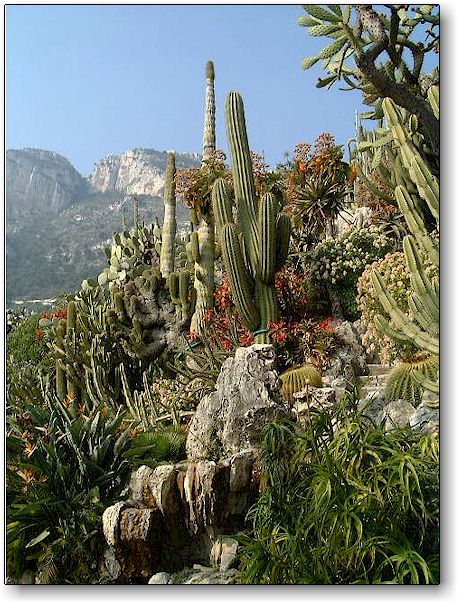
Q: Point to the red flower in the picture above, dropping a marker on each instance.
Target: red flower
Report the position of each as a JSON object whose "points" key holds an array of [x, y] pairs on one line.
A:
{"points": [[225, 343], [208, 315], [193, 336], [39, 334], [246, 339], [280, 336]]}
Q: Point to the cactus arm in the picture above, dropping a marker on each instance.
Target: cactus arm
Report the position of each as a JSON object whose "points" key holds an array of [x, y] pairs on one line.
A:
{"points": [[222, 204], [267, 238], [283, 228], [244, 184], [170, 223], [239, 279]]}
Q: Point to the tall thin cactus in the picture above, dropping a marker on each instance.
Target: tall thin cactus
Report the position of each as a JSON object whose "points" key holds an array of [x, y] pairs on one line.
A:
{"points": [[257, 246], [204, 248], [170, 223], [423, 328]]}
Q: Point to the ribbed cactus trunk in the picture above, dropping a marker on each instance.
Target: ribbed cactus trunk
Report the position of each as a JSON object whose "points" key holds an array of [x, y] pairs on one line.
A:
{"points": [[204, 282], [257, 246], [170, 223]]}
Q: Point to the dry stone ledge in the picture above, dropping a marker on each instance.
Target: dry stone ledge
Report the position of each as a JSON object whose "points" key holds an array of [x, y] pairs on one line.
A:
{"points": [[397, 414], [248, 394], [349, 360]]}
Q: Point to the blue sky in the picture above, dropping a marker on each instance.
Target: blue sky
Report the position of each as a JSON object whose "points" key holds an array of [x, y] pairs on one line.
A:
{"points": [[87, 81]]}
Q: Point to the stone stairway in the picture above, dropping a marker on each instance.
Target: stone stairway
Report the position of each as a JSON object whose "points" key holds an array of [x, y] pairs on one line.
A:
{"points": [[376, 379]]}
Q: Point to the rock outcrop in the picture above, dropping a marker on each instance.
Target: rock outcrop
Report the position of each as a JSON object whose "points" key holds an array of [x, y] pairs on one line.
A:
{"points": [[248, 394], [39, 181], [136, 172]]}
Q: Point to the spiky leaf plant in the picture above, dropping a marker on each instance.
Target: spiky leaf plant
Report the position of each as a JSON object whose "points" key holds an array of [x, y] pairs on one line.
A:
{"points": [[342, 503]]}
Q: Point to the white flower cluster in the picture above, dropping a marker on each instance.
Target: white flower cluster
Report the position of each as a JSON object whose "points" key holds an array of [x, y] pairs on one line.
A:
{"points": [[337, 260]]}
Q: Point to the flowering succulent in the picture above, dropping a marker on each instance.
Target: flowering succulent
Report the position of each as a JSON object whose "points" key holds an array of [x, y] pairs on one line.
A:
{"points": [[342, 261], [396, 275]]}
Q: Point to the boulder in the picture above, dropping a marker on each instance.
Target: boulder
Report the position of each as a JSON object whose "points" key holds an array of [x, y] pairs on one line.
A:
{"points": [[161, 578], [248, 394], [313, 398], [349, 360], [224, 553], [397, 414], [372, 407], [426, 419]]}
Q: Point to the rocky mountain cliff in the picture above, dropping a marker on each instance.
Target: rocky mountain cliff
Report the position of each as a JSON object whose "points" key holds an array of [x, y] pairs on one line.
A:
{"points": [[39, 181], [136, 172], [59, 222]]}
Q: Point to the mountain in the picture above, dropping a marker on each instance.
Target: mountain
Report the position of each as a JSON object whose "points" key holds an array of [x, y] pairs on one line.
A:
{"points": [[40, 182], [58, 222]]}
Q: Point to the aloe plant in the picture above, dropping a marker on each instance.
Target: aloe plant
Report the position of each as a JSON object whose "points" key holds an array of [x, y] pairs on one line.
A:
{"points": [[256, 246]]}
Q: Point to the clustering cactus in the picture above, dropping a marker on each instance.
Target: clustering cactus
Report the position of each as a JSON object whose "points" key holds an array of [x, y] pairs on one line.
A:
{"points": [[169, 223], [257, 246], [423, 328]]}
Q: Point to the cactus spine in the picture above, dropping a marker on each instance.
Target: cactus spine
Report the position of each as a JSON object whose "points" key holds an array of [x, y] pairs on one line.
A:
{"points": [[204, 243], [423, 328], [170, 223], [257, 246]]}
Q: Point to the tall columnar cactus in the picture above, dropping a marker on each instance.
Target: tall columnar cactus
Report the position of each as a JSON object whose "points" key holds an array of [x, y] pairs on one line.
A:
{"points": [[204, 244], [423, 328], [170, 223], [257, 246]]}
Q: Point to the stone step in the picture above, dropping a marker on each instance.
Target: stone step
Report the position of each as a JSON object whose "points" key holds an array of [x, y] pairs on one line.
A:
{"points": [[377, 369], [376, 380]]}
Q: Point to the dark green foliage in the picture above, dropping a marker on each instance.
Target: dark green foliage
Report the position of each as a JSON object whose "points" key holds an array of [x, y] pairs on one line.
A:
{"points": [[24, 343], [344, 504], [63, 470]]}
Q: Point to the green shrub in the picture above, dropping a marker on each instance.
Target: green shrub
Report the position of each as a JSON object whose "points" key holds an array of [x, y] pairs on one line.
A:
{"points": [[25, 344], [344, 504]]}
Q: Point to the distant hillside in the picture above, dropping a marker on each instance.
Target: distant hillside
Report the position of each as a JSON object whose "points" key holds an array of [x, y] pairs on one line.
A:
{"points": [[58, 222]]}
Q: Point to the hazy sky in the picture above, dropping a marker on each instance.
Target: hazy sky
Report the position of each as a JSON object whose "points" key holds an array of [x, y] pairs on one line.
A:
{"points": [[87, 81]]}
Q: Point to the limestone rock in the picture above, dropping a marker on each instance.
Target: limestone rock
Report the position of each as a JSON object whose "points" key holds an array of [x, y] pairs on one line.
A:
{"points": [[202, 577], [40, 181], [397, 414], [313, 398], [426, 419], [161, 578], [137, 171], [110, 522], [372, 407], [248, 394], [349, 360], [224, 553]]}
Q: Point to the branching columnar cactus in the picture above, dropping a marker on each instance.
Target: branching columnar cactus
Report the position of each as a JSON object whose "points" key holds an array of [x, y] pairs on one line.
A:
{"points": [[170, 223], [423, 328], [257, 246], [203, 244]]}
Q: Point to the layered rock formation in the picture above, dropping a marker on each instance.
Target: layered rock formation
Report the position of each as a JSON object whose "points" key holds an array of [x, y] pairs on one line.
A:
{"points": [[39, 181], [136, 172]]}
